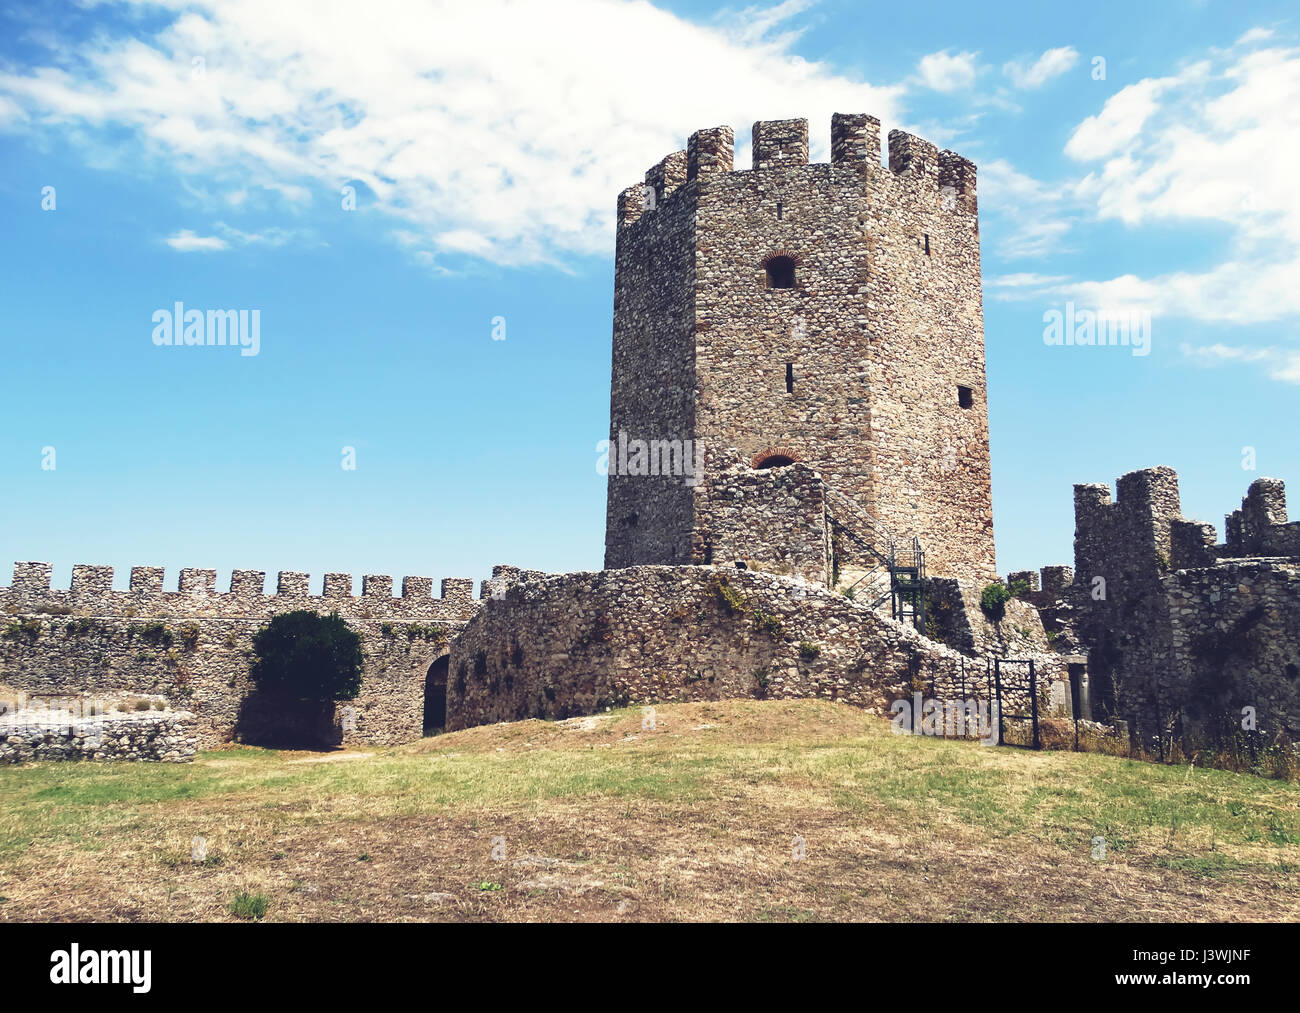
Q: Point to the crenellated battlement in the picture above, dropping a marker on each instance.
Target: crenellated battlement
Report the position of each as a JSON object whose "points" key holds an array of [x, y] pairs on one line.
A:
{"points": [[1260, 527], [1145, 530], [916, 164], [91, 593], [1130, 537]]}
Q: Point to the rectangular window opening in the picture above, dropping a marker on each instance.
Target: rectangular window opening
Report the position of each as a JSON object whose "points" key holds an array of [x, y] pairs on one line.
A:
{"points": [[789, 377], [778, 210], [927, 244], [965, 396]]}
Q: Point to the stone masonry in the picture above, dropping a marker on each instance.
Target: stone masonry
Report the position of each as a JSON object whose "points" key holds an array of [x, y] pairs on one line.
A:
{"points": [[569, 644], [829, 314], [167, 737], [192, 647], [1179, 630]]}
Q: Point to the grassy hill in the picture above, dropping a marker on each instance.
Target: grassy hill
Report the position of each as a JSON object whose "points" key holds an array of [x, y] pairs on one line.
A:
{"points": [[694, 819]]}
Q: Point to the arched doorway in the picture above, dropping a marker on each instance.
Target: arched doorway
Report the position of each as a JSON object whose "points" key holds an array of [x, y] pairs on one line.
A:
{"points": [[435, 696]]}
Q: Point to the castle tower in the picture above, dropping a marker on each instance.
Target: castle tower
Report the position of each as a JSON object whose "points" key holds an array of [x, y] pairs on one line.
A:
{"points": [[828, 314]]}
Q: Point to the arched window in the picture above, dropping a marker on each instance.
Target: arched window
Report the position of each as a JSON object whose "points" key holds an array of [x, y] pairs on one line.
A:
{"points": [[774, 461], [774, 457], [780, 271]]}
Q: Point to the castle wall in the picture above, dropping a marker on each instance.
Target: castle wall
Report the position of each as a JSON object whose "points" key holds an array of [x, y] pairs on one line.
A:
{"points": [[856, 368], [576, 643], [954, 617], [193, 647], [1235, 642], [1260, 527], [1180, 629]]}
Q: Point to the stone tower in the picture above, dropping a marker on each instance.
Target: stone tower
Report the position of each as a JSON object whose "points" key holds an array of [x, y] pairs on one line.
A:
{"points": [[828, 314]]}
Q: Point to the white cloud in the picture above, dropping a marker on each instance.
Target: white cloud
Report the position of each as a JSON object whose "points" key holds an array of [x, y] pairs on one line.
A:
{"points": [[1026, 280], [1029, 218], [186, 241], [1280, 363], [1120, 121], [1052, 63], [498, 129], [1254, 35], [945, 71], [1218, 143]]}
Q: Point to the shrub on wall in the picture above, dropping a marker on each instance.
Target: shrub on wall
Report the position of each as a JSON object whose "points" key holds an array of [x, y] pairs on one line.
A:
{"points": [[307, 656], [994, 598]]}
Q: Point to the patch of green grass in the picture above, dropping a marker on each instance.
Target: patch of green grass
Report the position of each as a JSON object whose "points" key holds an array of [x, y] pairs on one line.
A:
{"points": [[250, 906]]}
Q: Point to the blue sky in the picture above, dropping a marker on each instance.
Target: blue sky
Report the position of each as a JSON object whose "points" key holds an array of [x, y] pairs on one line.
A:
{"points": [[200, 153]]}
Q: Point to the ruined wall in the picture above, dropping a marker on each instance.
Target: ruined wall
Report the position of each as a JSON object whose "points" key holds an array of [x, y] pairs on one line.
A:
{"points": [[954, 617], [855, 370], [771, 519], [26, 736], [1180, 629], [1236, 642], [576, 643], [193, 646], [1260, 527]]}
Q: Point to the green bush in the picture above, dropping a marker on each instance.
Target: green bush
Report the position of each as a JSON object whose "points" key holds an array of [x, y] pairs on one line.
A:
{"points": [[308, 656], [994, 598], [252, 906]]}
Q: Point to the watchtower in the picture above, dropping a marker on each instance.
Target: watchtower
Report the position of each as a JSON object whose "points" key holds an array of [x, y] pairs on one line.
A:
{"points": [[828, 314]]}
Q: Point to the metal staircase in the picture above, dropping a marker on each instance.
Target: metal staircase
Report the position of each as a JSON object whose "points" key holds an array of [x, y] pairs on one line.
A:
{"points": [[907, 584], [896, 575]]}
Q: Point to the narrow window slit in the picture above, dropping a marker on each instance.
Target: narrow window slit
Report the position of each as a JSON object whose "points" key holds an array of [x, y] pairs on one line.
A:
{"points": [[789, 377]]}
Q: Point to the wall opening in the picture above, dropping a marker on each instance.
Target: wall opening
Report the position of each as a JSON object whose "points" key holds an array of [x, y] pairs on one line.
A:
{"points": [[927, 244], [778, 210], [789, 377], [965, 396], [774, 461], [1079, 704], [435, 696], [780, 272]]}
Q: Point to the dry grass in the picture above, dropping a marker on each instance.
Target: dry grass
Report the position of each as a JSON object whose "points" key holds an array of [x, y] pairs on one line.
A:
{"points": [[694, 819]]}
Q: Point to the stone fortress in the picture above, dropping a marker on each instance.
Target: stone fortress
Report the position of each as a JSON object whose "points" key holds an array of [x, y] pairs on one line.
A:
{"points": [[799, 505]]}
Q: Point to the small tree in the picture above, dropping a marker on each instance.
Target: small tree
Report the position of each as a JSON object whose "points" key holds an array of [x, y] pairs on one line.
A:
{"points": [[307, 656]]}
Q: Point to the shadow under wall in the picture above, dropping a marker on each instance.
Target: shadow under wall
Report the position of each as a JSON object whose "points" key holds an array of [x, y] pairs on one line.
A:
{"points": [[277, 722]]}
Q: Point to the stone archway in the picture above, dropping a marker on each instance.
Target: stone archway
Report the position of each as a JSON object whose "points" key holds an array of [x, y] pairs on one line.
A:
{"points": [[435, 695], [774, 457]]}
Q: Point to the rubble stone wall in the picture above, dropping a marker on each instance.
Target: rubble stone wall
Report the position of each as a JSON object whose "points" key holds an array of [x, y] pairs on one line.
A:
{"points": [[576, 643], [193, 646], [33, 736]]}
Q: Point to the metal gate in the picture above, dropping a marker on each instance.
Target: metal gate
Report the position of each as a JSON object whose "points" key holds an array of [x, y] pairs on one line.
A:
{"points": [[1011, 675]]}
